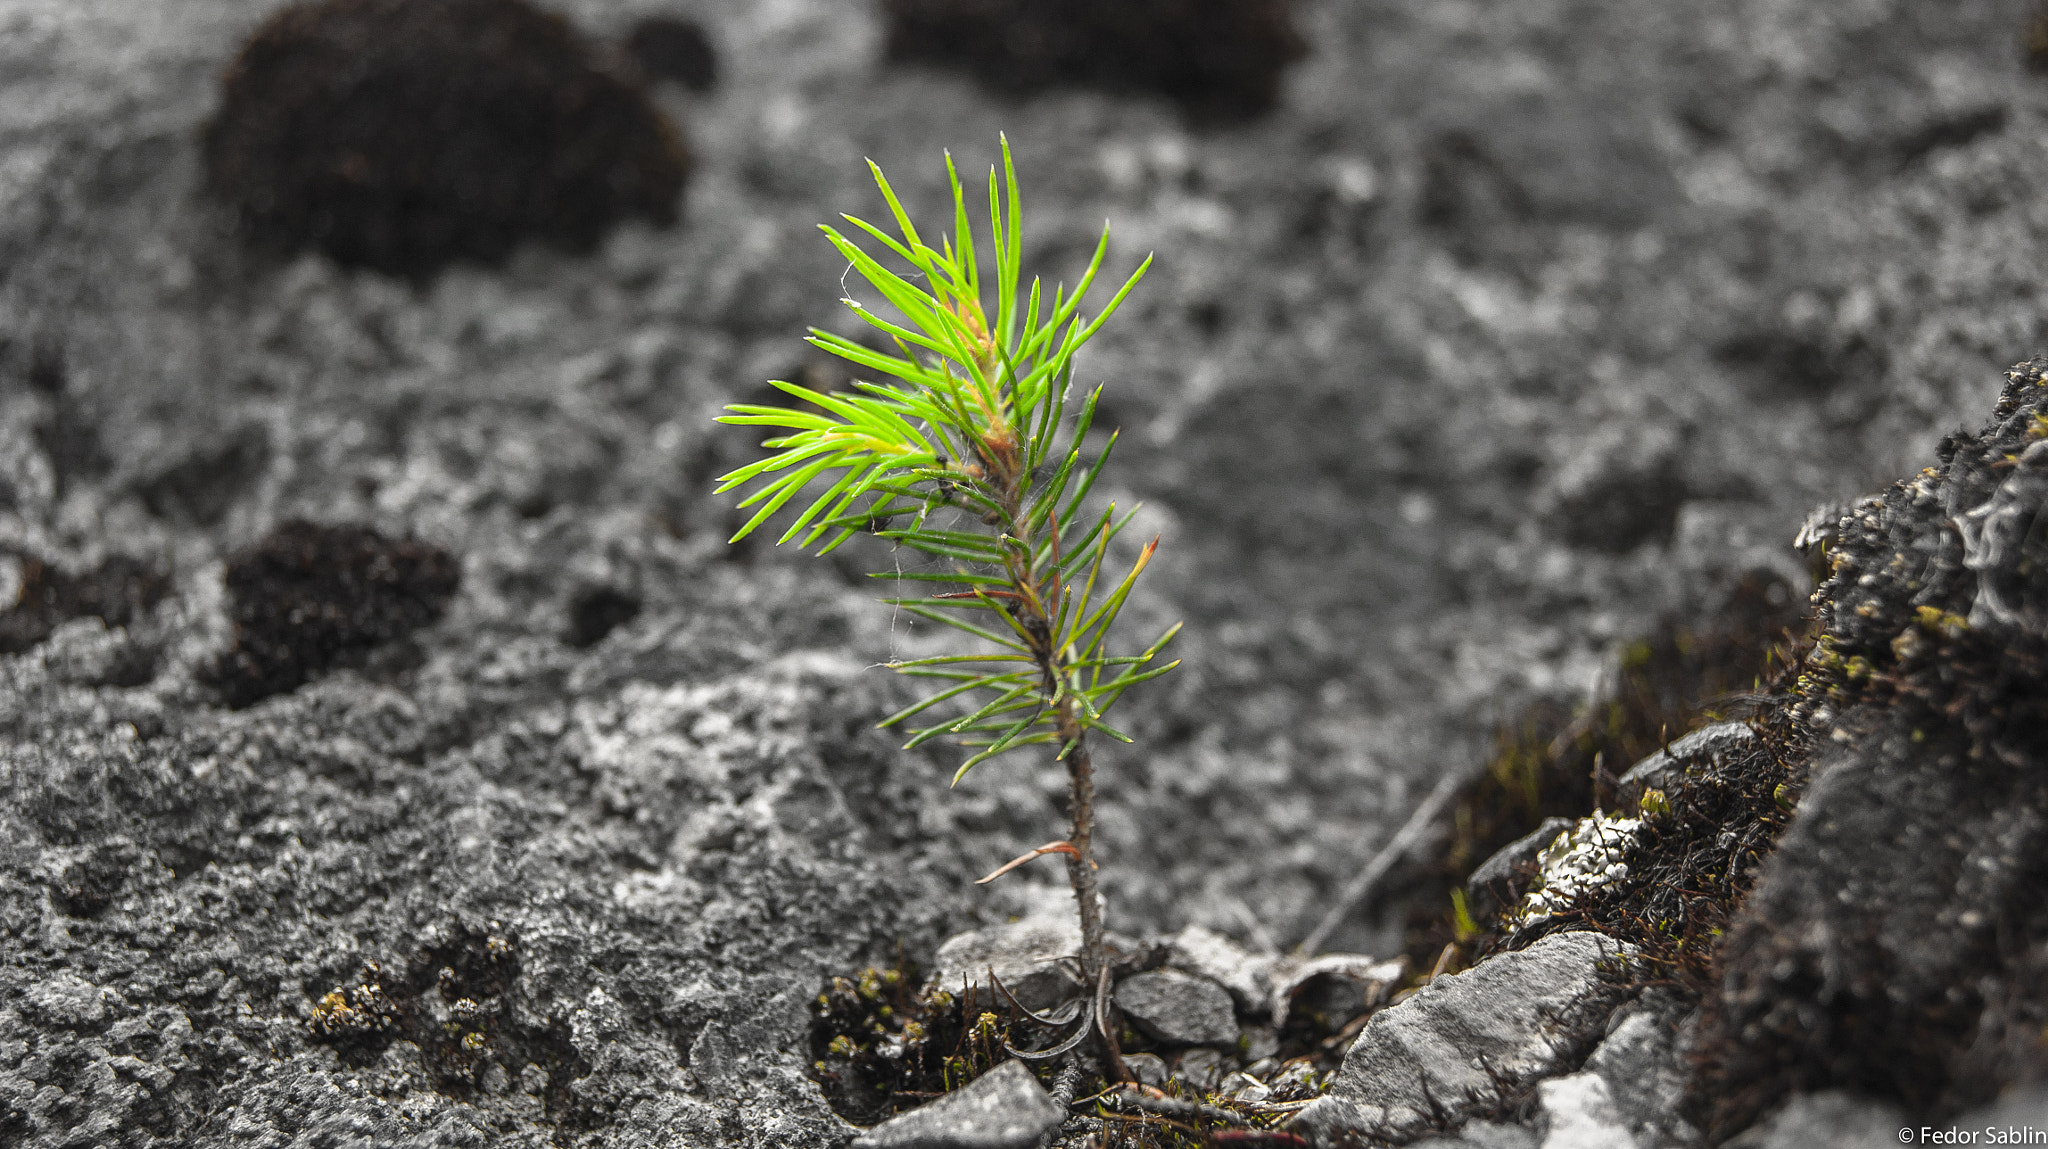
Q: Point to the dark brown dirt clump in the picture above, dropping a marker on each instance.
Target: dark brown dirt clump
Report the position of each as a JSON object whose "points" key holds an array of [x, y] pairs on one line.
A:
{"points": [[880, 1046], [669, 48], [117, 591], [307, 597], [1218, 58], [405, 134]]}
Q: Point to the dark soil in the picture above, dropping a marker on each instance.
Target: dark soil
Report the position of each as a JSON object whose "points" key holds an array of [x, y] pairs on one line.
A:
{"points": [[671, 48], [597, 611], [1896, 943], [1221, 58], [881, 1046], [307, 597], [117, 591], [459, 1003], [404, 134]]}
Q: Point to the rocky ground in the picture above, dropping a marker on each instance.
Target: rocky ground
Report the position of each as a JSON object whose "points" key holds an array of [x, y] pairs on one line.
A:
{"points": [[1510, 329]]}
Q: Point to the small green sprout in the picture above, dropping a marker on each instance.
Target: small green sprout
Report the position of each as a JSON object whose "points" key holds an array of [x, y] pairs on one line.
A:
{"points": [[1654, 804], [974, 443]]}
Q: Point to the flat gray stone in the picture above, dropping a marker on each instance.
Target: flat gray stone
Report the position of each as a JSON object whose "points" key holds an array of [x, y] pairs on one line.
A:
{"points": [[1666, 766], [1247, 975], [1178, 1008], [1149, 1068], [1643, 1066], [1020, 954], [1200, 1070], [1005, 1108], [1370, 977], [1513, 1018]]}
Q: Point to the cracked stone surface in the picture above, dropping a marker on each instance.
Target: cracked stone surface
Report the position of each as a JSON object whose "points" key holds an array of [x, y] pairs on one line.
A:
{"points": [[1450, 1051], [1179, 1008]]}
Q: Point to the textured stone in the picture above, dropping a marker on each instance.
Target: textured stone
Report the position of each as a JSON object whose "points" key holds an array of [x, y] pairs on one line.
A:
{"points": [[1178, 1008], [1005, 1108], [1020, 955], [1149, 1068], [1891, 943], [1663, 768], [1483, 1135], [1513, 1018], [1578, 1112], [1247, 975], [1368, 978], [1643, 1065]]}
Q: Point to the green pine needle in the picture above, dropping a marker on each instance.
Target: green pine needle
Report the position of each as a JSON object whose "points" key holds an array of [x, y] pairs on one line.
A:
{"points": [[956, 436]]}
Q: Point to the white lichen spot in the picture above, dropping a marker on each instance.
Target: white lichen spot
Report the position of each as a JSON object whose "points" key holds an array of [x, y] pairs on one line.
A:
{"points": [[1590, 855]]}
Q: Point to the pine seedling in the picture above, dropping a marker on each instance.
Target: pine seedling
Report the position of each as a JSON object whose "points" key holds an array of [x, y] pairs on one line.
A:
{"points": [[970, 451]]}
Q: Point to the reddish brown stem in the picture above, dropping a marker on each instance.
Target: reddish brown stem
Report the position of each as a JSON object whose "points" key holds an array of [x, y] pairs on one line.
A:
{"points": [[1034, 601]]}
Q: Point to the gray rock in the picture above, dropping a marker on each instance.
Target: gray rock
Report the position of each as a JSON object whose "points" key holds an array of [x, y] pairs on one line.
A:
{"points": [[1022, 955], [1493, 874], [1201, 1069], [1924, 817], [1005, 1108], [1247, 975], [1260, 1042], [1829, 1120], [1244, 1087], [1178, 1008], [1497, 1135], [67, 1000], [1369, 978], [1578, 1112], [1642, 1064], [1149, 1068], [1263, 985], [694, 821], [1452, 1047], [1663, 769]]}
